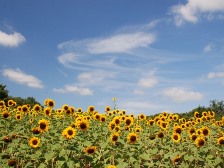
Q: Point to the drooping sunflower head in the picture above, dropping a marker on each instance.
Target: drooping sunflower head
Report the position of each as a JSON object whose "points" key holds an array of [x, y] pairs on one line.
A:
{"points": [[90, 150], [34, 142], [36, 130], [176, 159], [132, 138], [69, 133], [196, 114], [12, 162]]}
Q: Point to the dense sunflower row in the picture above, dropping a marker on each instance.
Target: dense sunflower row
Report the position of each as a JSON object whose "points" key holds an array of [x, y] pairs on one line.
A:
{"points": [[109, 139]]}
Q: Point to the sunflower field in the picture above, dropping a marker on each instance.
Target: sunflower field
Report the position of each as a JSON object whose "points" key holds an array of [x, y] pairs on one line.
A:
{"points": [[42, 136]]}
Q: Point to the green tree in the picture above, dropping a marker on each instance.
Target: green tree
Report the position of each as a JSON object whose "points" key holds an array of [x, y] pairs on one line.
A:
{"points": [[3, 92]]}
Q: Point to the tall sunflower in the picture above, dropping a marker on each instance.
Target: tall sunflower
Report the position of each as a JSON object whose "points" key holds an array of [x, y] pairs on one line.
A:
{"points": [[43, 125], [114, 137], [83, 125], [205, 130], [18, 116], [200, 141], [175, 137], [69, 133], [34, 142], [132, 138]]}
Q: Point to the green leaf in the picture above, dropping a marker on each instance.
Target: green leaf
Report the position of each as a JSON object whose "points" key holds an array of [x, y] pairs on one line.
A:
{"points": [[154, 151], [218, 160], [144, 156], [42, 165], [60, 163], [70, 164], [49, 155], [62, 152]]}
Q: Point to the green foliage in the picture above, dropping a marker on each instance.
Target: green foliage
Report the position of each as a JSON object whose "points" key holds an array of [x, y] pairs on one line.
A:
{"points": [[3, 92]]}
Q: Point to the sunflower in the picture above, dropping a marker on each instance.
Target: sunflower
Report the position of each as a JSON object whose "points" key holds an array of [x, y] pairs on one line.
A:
{"points": [[12, 163], [34, 142], [47, 111], [5, 114], [160, 134], [220, 141], [25, 108], [2, 103], [103, 118], [164, 125], [116, 120], [18, 116], [150, 122], [114, 137], [90, 150], [175, 117], [43, 125], [132, 138], [200, 141], [141, 117], [83, 125], [10, 103], [205, 131], [69, 133], [191, 130], [91, 109], [177, 129], [128, 121], [107, 108], [111, 166], [176, 159], [49, 103], [79, 110], [175, 137], [97, 116], [36, 130], [111, 125], [196, 114], [37, 108], [138, 129]]}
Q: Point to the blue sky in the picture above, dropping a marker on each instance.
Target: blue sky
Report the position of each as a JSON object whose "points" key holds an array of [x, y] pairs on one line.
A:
{"points": [[153, 56]]}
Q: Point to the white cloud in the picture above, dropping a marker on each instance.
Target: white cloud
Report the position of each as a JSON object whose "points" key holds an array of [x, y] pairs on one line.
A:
{"points": [[208, 48], [215, 75], [191, 11], [95, 77], [11, 40], [182, 95], [74, 89], [67, 59], [16, 75], [121, 43], [148, 82]]}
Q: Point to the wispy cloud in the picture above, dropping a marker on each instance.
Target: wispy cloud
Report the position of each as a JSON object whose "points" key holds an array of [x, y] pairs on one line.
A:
{"points": [[208, 48], [11, 40], [67, 59], [121, 43], [191, 11], [16, 75], [182, 95], [74, 89], [215, 75], [148, 82]]}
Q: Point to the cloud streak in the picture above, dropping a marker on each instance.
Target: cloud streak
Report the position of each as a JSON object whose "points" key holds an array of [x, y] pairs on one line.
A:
{"points": [[191, 11], [11, 40], [16, 75], [182, 95]]}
